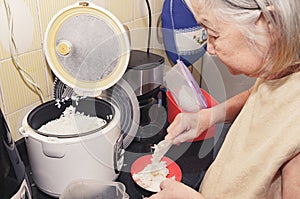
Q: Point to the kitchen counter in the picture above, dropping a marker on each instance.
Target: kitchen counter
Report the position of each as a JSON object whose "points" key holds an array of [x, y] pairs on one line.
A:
{"points": [[194, 161]]}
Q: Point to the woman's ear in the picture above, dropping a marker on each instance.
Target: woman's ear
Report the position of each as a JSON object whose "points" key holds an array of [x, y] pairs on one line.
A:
{"points": [[271, 18], [268, 20]]}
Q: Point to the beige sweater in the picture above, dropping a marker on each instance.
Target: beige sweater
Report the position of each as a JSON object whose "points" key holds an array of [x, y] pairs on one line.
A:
{"points": [[264, 136]]}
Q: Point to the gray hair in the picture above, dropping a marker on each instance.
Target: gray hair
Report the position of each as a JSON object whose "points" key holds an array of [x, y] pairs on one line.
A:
{"points": [[282, 15]]}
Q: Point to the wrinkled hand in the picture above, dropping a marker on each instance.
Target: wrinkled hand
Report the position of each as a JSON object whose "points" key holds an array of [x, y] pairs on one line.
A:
{"points": [[187, 126], [176, 190]]}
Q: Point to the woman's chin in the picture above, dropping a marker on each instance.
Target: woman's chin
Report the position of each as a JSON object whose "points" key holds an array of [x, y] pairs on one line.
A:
{"points": [[234, 72]]}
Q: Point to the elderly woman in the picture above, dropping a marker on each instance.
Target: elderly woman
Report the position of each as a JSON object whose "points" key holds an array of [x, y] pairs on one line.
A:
{"points": [[260, 157]]}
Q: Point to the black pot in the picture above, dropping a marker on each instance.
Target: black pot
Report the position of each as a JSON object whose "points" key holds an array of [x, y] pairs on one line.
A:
{"points": [[49, 111]]}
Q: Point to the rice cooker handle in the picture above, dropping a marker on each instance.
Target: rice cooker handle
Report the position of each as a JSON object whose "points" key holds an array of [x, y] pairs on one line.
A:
{"points": [[54, 148], [23, 132], [118, 154]]}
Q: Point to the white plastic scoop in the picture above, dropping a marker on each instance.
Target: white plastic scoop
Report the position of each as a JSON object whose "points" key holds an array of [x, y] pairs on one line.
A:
{"points": [[161, 149]]}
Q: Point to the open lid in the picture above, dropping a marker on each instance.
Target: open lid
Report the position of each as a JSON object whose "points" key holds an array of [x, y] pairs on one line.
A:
{"points": [[87, 48]]}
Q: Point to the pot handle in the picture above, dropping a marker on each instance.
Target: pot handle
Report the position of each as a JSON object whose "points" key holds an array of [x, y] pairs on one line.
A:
{"points": [[118, 155], [53, 148], [23, 132]]}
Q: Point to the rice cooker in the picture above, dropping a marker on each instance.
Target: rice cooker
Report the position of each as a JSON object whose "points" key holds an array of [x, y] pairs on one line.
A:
{"points": [[87, 48]]}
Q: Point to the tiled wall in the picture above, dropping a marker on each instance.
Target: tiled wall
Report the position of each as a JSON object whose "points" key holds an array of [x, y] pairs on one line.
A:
{"points": [[30, 21]]}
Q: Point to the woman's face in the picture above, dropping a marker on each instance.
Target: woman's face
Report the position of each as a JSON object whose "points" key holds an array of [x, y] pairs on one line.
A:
{"points": [[227, 42]]}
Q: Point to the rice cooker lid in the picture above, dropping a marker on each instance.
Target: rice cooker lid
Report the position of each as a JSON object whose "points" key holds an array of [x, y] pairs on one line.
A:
{"points": [[87, 48]]}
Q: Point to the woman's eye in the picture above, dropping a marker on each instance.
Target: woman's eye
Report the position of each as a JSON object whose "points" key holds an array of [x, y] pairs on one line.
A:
{"points": [[212, 35]]}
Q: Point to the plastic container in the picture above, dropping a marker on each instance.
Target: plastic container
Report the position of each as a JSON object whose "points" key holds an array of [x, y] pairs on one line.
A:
{"points": [[173, 110], [92, 189], [185, 90]]}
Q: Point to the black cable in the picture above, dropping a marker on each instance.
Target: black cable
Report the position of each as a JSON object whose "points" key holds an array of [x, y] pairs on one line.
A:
{"points": [[149, 27]]}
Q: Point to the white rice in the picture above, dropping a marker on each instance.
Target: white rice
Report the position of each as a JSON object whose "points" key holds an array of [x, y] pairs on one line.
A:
{"points": [[151, 176], [74, 98], [72, 122], [187, 100]]}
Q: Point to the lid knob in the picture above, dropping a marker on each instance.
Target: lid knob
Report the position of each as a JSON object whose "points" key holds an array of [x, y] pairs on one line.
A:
{"points": [[64, 47]]}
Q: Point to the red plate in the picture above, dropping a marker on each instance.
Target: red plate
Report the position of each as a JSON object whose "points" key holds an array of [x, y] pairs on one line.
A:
{"points": [[140, 163]]}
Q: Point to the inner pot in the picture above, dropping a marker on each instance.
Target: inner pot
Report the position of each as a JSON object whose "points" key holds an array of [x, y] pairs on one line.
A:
{"points": [[50, 110]]}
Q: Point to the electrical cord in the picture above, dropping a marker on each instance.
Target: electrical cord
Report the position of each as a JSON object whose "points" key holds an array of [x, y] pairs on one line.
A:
{"points": [[149, 25], [14, 55], [173, 26]]}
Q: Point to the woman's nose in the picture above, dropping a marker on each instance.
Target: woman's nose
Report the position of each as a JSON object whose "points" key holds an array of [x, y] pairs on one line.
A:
{"points": [[210, 48]]}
